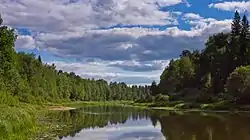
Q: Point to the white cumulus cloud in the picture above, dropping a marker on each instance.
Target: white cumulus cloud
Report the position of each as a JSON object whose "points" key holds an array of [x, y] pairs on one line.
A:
{"points": [[58, 15], [231, 6], [25, 42]]}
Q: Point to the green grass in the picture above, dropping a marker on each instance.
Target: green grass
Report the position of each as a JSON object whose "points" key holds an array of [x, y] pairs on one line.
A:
{"points": [[17, 123], [79, 104], [17, 120]]}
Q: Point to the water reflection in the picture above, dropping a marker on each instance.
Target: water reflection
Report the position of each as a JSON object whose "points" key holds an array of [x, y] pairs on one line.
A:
{"points": [[142, 131], [197, 127], [127, 123]]}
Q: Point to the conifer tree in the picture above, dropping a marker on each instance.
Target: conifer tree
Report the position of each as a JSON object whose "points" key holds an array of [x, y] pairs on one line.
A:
{"points": [[244, 41], [236, 24], [39, 59]]}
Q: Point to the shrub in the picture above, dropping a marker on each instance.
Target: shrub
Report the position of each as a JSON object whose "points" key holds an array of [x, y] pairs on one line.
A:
{"points": [[189, 92], [221, 105], [7, 99], [161, 98], [148, 99], [186, 105], [204, 98], [238, 85]]}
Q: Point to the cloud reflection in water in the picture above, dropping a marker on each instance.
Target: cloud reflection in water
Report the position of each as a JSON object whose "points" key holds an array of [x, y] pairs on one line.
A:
{"points": [[131, 130]]}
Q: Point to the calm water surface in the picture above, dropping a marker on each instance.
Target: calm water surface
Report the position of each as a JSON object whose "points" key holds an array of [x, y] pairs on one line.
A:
{"points": [[127, 123]]}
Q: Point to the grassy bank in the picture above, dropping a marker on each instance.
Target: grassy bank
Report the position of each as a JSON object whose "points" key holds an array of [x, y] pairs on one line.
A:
{"points": [[220, 106], [18, 122], [79, 104]]}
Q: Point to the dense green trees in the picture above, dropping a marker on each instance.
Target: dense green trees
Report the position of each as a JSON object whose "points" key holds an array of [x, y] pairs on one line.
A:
{"points": [[44, 83], [179, 75], [26, 78], [238, 85], [208, 70], [9, 79], [154, 89]]}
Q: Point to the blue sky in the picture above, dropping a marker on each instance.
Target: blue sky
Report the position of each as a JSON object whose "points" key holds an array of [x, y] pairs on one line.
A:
{"points": [[117, 40]]}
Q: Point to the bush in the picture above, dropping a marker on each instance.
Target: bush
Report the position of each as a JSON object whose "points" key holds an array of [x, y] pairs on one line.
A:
{"points": [[161, 98], [189, 92], [173, 103], [238, 85], [221, 105], [148, 99], [186, 105], [204, 98]]}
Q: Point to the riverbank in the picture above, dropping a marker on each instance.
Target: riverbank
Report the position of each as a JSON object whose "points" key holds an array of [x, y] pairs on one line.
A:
{"points": [[62, 108], [69, 123], [14, 118], [221, 106]]}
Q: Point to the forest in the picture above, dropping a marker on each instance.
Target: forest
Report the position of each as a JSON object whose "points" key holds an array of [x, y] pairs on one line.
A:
{"points": [[26, 78], [221, 71]]}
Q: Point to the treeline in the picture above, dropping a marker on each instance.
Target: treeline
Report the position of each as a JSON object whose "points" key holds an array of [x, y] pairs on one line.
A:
{"points": [[220, 71], [26, 78]]}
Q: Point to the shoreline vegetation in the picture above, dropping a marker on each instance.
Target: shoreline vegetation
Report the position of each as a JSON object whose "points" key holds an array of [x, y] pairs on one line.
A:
{"points": [[28, 115], [216, 79], [174, 106]]}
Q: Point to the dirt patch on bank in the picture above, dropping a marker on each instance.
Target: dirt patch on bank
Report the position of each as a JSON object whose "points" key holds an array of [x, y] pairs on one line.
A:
{"points": [[60, 108]]}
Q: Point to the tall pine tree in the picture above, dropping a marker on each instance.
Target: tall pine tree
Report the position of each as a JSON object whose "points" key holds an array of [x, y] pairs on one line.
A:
{"points": [[234, 46], [39, 59], [244, 41], [236, 26]]}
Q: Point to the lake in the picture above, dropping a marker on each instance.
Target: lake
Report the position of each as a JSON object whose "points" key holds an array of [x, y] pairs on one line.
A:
{"points": [[130, 123]]}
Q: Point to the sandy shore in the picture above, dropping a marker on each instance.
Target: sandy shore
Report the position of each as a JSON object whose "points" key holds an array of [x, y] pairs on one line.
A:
{"points": [[60, 108]]}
